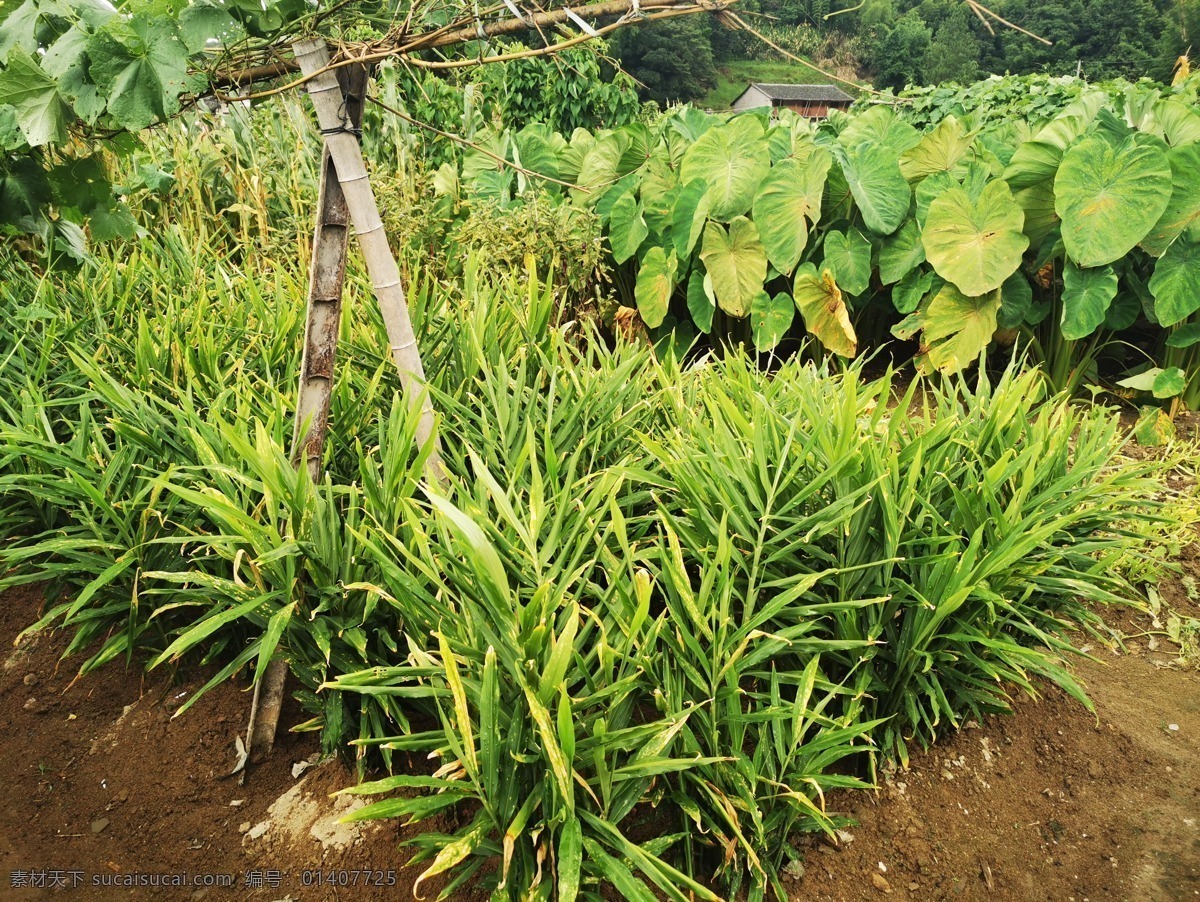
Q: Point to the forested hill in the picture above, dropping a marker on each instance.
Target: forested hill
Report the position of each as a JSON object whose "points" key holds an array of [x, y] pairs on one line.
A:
{"points": [[893, 43]]}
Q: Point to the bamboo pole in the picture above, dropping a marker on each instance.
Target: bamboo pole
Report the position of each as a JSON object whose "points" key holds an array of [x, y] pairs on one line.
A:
{"points": [[327, 275], [342, 144]]}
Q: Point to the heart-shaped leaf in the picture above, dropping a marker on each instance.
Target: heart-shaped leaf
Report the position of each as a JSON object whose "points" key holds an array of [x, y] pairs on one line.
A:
{"points": [[770, 318], [736, 262], [1109, 197], [955, 329], [880, 189], [655, 284], [787, 201], [627, 228], [848, 256], [975, 243], [1175, 285], [732, 159], [1086, 296]]}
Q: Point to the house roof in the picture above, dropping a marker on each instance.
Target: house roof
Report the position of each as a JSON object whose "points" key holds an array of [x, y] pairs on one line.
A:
{"points": [[820, 93]]}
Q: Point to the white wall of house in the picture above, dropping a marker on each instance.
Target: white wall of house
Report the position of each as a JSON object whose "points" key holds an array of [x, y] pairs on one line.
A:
{"points": [[751, 98]]}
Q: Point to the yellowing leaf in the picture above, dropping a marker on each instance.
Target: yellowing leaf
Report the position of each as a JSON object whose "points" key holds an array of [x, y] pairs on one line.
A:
{"points": [[820, 302]]}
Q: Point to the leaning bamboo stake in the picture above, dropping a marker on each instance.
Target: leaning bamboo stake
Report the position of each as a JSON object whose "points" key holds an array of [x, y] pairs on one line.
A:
{"points": [[327, 275], [346, 153]]}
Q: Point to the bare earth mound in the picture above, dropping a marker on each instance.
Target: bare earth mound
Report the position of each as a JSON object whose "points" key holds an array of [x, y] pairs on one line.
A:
{"points": [[99, 783]]}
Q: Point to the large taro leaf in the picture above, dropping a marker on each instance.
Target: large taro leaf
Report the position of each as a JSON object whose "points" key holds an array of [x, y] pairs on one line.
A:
{"points": [[597, 166], [770, 318], [939, 151], [655, 284], [848, 257], [1109, 197], [908, 293], [688, 217], [1175, 284], [1037, 202], [731, 159], [880, 189], [1087, 294], [736, 262], [955, 329], [820, 302], [1179, 123], [787, 201], [1038, 160], [1016, 297], [879, 125], [700, 300], [975, 243], [1183, 209], [626, 227], [901, 253]]}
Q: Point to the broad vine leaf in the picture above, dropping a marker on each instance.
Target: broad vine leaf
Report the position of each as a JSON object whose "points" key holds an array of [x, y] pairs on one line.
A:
{"points": [[42, 113], [143, 72], [700, 300], [770, 318], [655, 284], [788, 200], [204, 19], [975, 244], [732, 159], [955, 329], [848, 256], [1175, 284], [626, 227], [1109, 197], [1087, 294], [736, 262], [820, 302], [24, 189], [879, 187], [19, 28], [901, 253]]}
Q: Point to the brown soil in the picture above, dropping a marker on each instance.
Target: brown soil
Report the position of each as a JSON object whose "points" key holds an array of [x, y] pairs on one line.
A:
{"points": [[1052, 803], [98, 782]]}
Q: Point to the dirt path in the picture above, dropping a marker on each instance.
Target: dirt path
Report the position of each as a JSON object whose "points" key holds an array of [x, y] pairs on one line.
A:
{"points": [[1047, 804], [99, 781]]}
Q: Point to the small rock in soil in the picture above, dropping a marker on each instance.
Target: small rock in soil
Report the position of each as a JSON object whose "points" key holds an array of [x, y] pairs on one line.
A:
{"points": [[98, 826], [881, 883], [30, 679], [34, 706]]}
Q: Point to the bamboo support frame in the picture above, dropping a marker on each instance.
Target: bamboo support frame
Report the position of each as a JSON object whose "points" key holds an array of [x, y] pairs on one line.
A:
{"points": [[346, 154]]}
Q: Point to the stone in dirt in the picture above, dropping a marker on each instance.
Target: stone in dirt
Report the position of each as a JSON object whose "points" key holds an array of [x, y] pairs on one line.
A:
{"points": [[98, 826], [881, 883]]}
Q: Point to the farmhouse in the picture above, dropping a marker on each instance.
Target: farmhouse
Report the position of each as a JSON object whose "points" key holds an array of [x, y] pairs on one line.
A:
{"points": [[812, 101]]}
